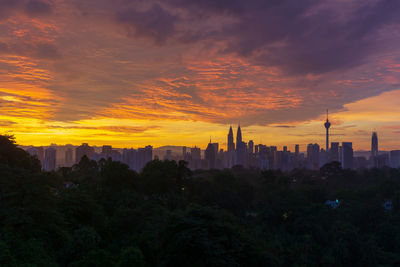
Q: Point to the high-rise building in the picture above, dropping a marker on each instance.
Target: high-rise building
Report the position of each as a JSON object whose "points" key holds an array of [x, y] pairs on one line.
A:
{"points": [[195, 153], [38, 152], [327, 126], [211, 155], [68, 157], [50, 155], [239, 135], [347, 155], [374, 149], [313, 156], [251, 147], [395, 158], [144, 155], [296, 150], [241, 148], [334, 152], [374, 144], [83, 150], [129, 157], [231, 150], [106, 152], [168, 155]]}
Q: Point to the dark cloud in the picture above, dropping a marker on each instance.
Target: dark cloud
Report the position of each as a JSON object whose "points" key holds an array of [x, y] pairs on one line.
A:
{"points": [[33, 8], [7, 6], [36, 8], [299, 37], [155, 23], [46, 51]]}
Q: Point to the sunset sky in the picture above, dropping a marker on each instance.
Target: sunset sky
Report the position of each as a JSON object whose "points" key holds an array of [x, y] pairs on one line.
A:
{"points": [[175, 72]]}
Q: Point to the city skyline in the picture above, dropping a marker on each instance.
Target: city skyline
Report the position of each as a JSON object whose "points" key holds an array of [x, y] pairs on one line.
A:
{"points": [[244, 153], [131, 73]]}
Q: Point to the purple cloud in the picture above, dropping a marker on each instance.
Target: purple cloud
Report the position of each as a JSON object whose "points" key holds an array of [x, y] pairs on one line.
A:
{"points": [[155, 23]]}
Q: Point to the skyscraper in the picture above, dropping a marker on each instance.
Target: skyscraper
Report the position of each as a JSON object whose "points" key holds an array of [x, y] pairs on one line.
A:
{"points": [[106, 151], [238, 136], [68, 157], [211, 154], [313, 156], [374, 149], [334, 152], [347, 155], [83, 150], [374, 144], [50, 159], [251, 147], [231, 149], [195, 153], [240, 148], [231, 144], [395, 158], [327, 125]]}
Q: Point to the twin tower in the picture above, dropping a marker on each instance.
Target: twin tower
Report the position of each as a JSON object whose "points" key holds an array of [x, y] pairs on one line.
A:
{"points": [[236, 155]]}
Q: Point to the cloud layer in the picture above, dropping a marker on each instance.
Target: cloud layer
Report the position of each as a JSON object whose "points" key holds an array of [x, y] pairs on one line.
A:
{"points": [[216, 61]]}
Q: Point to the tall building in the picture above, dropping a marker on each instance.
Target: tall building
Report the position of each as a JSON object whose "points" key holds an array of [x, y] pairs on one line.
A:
{"points": [[144, 155], [129, 157], [296, 150], [347, 155], [68, 157], [239, 135], [50, 155], [168, 155], [106, 152], [211, 155], [83, 150], [313, 156], [38, 152], [251, 147], [374, 144], [395, 158], [241, 148], [231, 149], [374, 149], [327, 126], [334, 152], [195, 162]]}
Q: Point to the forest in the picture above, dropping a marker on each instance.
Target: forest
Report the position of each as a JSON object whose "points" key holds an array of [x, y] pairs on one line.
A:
{"points": [[104, 214]]}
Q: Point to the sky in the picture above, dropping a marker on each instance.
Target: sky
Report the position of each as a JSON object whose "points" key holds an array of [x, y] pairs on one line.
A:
{"points": [[176, 72]]}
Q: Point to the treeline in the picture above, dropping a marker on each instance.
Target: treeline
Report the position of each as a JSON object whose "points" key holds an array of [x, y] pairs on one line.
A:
{"points": [[104, 214]]}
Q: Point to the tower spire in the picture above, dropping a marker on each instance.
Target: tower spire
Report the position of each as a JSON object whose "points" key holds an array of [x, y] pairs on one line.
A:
{"points": [[327, 125]]}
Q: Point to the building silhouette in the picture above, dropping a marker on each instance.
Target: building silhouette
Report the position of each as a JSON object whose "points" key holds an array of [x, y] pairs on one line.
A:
{"points": [[374, 150], [395, 158], [241, 148], [334, 152], [38, 152], [68, 157], [313, 156], [231, 150], [327, 125], [347, 155], [211, 155], [83, 150], [50, 161], [195, 153]]}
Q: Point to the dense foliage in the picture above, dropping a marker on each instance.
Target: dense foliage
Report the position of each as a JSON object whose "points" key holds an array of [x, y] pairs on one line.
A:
{"points": [[104, 214]]}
